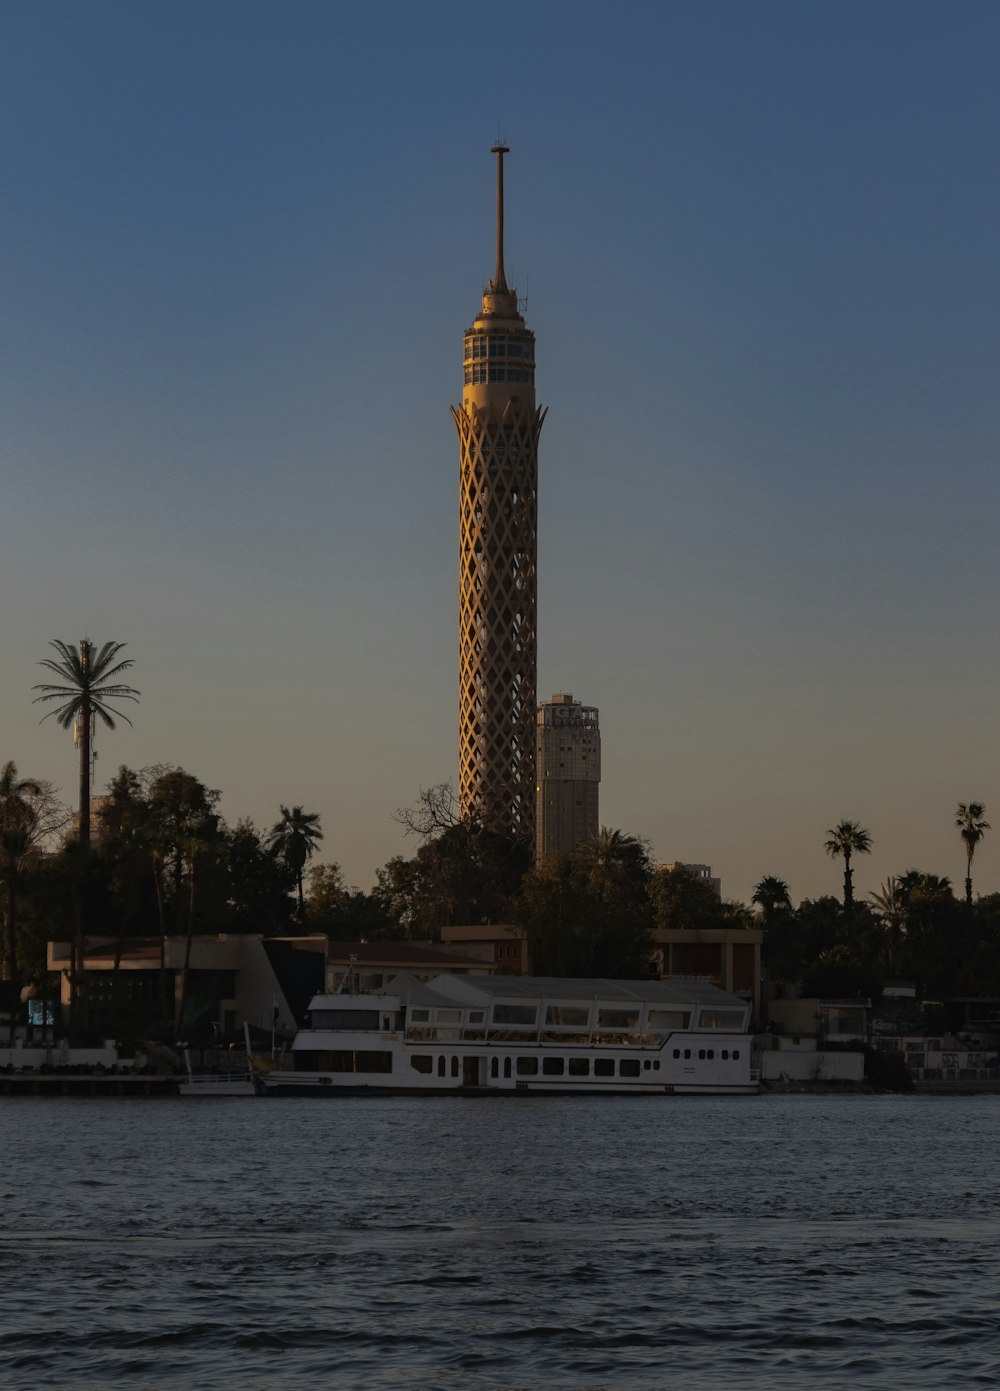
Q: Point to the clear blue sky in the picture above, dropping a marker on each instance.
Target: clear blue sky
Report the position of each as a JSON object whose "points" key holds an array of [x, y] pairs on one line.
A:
{"points": [[239, 244]]}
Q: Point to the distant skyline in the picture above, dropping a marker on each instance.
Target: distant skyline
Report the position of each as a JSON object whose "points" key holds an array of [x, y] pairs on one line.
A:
{"points": [[239, 247]]}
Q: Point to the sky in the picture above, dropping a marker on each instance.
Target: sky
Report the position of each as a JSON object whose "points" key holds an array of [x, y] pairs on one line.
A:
{"points": [[239, 246]]}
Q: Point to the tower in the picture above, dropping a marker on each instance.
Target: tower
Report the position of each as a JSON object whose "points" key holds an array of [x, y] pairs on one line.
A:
{"points": [[568, 773], [498, 428]]}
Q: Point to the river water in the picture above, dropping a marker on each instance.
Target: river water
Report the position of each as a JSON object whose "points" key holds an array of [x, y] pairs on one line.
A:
{"points": [[609, 1244]]}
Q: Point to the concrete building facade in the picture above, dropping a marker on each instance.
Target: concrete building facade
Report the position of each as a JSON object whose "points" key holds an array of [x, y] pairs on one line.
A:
{"points": [[498, 426], [567, 775]]}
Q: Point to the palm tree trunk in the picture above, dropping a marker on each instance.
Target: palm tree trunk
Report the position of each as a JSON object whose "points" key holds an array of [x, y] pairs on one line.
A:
{"points": [[85, 733], [848, 884], [302, 902], [77, 991]]}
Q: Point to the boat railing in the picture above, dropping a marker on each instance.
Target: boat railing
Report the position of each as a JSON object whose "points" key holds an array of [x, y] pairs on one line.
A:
{"points": [[212, 1079]]}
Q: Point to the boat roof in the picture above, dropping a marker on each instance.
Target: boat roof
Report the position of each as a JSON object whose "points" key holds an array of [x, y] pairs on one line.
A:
{"points": [[445, 990]]}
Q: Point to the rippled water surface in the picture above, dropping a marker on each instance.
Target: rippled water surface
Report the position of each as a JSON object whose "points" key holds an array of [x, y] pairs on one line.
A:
{"points": [[635, 1243]]}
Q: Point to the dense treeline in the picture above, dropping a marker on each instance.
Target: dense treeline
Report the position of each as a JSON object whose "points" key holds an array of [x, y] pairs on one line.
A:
{"points": [[163, 862]]}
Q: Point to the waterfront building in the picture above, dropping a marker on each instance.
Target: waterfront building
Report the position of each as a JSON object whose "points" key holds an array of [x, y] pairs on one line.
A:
{"points": [[502, 947], [498, 428], [567, 775], [729, 957]]}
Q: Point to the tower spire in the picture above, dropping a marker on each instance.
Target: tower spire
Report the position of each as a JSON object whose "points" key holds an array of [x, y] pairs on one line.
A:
{"points": [[499, 279]]}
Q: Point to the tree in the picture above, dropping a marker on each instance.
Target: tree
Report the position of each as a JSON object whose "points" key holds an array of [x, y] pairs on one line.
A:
{"points": [[591, 914], [328, 893], [182, 825], [89, 682], [889, 904], [971, 823], [295, 838], [771, 895], [464, 872], [681, 900], [848, 838], [29, 813]]}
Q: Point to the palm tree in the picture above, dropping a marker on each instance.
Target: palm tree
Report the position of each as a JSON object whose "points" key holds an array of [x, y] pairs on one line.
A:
{"points": [[770, 894], [17, 817], [848, 838], [889, 904], [971, 827], [88, 684], [295, 838]]}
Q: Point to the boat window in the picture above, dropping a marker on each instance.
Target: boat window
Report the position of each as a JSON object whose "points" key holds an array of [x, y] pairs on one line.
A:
{"points": [[448, 1016], [617, 1018], [454, 1067], [716, 1018], [420, 1016], [687, 1052], [677, 1052], [604, 1067], [579, 1067], [669, 1019], [327, 1061], [646, 1065], [736, 1053], [711, 1053], [373, 1060], [477, 1016], [656, 1064], [506, 1067], [725, 1054], [514, 1014], [567, 1015], [553, 1067], [628, 1067], [345, 1019], [494, 1067], [422, 1062], [440, 1067], [701, 1053], [527, 1067]]}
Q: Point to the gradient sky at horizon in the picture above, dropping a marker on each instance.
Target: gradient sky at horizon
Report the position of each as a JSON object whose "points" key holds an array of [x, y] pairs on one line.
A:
{"points": [[239, 245]]}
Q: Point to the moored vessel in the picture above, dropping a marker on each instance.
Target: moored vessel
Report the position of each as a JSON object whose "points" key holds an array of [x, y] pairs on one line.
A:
{"points": [[483, 1034]]}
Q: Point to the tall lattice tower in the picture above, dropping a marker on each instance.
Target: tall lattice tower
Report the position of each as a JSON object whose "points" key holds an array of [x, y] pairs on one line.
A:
{"points": [[498, 428]]}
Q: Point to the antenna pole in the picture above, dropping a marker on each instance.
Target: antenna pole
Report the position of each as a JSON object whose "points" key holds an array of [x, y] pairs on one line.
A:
{"points": [[499, 279]]}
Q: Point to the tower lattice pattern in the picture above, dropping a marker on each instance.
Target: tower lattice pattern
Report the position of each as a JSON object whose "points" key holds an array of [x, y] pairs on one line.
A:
{"points": [[498, 545]]}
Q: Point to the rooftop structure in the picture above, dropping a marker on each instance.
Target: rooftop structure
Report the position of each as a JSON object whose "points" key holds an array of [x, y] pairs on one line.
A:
{"points": [[567, 775]]}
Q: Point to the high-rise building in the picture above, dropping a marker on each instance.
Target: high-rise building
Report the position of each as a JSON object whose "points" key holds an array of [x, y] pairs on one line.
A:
{"points": [[568, 773], [498, 428]]}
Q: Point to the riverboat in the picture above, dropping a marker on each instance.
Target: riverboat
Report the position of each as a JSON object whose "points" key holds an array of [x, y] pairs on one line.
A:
{"points": [[483, 1034]]}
